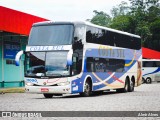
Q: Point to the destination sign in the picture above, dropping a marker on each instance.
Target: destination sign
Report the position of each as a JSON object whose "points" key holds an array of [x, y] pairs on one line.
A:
{"points": [[48, 48]]}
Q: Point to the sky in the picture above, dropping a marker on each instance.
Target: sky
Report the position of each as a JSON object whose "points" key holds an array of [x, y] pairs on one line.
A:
{"points": [[61, 10]]}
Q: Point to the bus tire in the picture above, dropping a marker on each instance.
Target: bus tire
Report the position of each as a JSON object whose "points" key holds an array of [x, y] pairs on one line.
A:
{"points": [[148, 80], [143, 80], [131, 85], [57, 95], [126, 87], [87, 89], [48, 95]]}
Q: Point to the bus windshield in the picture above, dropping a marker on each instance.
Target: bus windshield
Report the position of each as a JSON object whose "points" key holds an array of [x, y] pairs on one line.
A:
{"points": [[47, 35], [46, 64]]}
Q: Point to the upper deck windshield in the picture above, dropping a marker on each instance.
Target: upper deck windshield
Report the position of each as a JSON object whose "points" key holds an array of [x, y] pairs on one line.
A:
{"points": [[47, 35]]}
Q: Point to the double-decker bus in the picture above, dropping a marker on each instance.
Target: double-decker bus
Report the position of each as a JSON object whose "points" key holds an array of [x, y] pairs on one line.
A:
{"points": [[150, 70], [80, 57]]}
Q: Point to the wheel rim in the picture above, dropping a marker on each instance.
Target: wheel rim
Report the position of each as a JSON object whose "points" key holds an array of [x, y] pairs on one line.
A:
{"points": [[148, 80], [131, 85], [126, 86], [87, 88]]}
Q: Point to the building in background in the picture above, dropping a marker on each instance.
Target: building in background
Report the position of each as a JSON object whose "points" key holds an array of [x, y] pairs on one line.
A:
{"points": [[14, 31]]}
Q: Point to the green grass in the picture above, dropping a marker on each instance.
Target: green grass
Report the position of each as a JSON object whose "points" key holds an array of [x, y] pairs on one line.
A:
{"points": [[12, 90]]}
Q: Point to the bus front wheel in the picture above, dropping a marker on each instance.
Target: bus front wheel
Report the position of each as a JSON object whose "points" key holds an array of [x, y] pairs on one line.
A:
{"points": [[48, 95], [87, 89]]}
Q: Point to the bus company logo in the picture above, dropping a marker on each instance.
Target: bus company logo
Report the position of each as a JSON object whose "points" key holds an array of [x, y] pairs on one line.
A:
{"points": [[44, 48], [31, 80], [44, 83], [110, 52], [75, 88]]}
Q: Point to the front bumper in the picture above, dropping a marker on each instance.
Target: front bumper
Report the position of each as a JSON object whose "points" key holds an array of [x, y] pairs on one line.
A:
{"points": [[48, 89]]}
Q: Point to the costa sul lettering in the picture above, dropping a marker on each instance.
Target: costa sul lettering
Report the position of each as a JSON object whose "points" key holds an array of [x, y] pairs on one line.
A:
{"points": [[45, 48], [38, 48], [109, 52]]}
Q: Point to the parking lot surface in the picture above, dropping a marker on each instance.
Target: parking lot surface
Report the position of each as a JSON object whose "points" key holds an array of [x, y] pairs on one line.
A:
{"points": [[145, 98]]}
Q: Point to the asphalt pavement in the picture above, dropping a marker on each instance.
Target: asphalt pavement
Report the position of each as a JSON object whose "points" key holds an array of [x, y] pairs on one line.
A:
{"points": [[145, 98]]}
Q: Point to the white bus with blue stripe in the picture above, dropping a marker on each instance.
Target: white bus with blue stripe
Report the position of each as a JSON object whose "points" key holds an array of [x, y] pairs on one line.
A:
{"points": [[150, 70], [80, 57]]}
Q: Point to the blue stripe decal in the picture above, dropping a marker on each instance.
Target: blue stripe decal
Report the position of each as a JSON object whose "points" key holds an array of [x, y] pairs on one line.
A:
{"points": [[158, 70], [111, 80], [127, 56]]}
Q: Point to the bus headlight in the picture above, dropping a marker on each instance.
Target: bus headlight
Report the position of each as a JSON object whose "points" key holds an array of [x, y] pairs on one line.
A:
{"points": [[29, 84], [63, 83]]}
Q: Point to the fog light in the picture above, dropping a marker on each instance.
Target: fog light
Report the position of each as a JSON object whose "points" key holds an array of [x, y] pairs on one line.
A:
{"points": [[29, 84]]}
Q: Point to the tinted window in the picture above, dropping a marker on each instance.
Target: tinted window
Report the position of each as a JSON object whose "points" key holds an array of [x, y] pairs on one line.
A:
{"points": [[105, 65], [151, 63], [157, 63], [127, 41], [51, 35], [79, 36], [79, 32], [105, 37], [90, 64], [77, 63]]}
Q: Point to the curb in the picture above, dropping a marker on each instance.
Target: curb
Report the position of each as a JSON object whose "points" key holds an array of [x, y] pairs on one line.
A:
{"points": [[12, 90]]}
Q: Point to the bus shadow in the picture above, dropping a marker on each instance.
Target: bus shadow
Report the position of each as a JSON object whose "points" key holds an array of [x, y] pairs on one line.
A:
{"points": [[95, 94]]}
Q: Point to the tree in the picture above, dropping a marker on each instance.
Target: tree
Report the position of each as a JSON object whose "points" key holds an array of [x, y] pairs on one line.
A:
{"points": [[101, 18], [121, 9], [142, 17], [143, 30], [121, 22], [155, 30], [143, 13]]}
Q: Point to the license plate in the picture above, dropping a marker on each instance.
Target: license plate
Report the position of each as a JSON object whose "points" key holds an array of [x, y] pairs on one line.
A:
{"points": [[44, 90]]}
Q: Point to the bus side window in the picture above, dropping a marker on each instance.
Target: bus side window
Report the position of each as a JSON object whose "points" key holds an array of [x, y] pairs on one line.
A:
{"points": [[90, 64], [157, 63], [77, 65], [89, 36], [148, 64]]}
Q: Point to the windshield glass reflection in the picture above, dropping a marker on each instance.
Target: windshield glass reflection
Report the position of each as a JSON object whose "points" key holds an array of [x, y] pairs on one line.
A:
{"points": [[48, 64]]}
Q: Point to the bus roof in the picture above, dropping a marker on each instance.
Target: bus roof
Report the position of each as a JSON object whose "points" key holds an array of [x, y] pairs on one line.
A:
{"points": [[85, 23]]}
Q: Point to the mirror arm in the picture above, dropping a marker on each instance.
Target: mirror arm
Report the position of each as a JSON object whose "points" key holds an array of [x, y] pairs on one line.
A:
{"points": [[69, 57], [17, 58]]}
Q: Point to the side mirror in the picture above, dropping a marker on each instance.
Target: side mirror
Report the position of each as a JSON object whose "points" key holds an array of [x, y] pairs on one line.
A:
{"points": [[69, 57], [75, 38], [77, 43], [17, 58]]}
